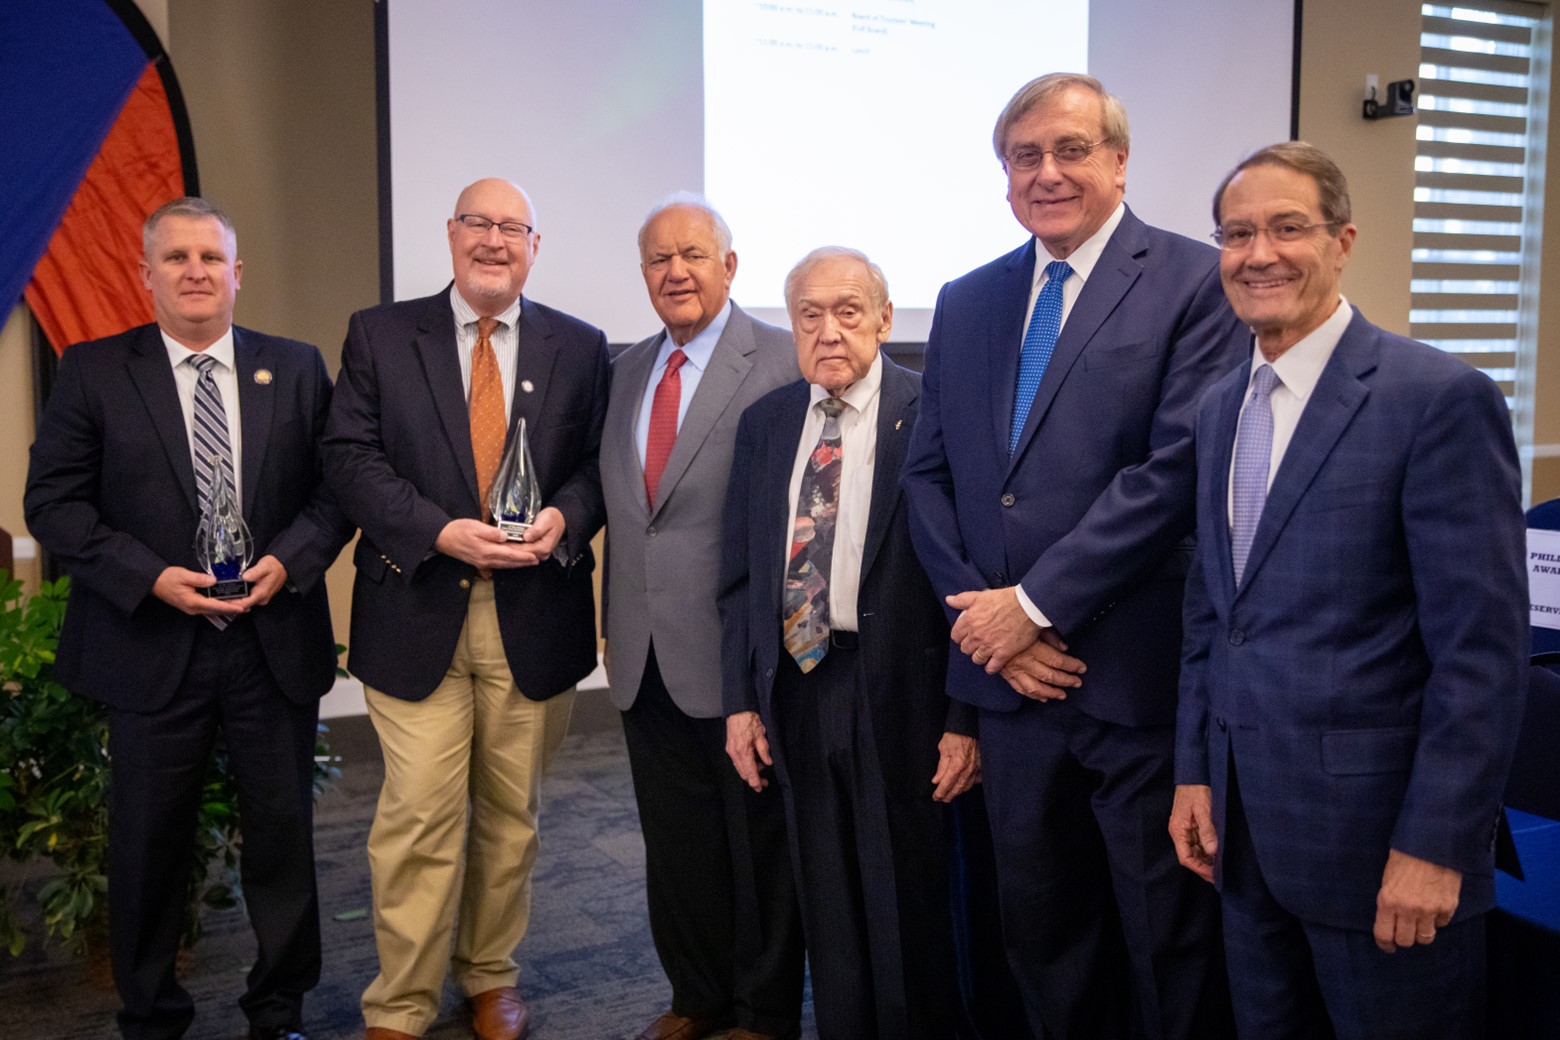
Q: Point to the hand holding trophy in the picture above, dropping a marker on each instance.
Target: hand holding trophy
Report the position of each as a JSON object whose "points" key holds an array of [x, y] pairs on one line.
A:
{"points": [[515, 497], [223, 545]]}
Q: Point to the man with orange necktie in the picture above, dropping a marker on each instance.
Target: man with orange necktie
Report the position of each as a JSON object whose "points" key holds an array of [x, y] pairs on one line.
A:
{"points": [[722, 905], [468, 645]]}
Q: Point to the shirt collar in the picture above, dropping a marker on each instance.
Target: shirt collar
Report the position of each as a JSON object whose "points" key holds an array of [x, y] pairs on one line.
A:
{"points": [[701, 347], [1299, 367], [860, 393], [465, 315], [221, 350], [1082, 259]]}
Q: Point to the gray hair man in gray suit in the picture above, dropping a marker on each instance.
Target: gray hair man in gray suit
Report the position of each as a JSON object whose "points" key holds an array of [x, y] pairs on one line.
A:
{"points": [[722, 902]]}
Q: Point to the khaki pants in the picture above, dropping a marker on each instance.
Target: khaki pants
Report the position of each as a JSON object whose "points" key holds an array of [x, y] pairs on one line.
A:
{"points": [[454, 838]]}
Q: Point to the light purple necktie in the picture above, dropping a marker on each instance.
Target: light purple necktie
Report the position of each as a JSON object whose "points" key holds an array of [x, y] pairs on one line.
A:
{"points": [[1253, 454]]}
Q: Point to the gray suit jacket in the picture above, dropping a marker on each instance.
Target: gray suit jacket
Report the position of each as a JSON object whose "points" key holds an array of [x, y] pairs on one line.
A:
{"points": [[663, 562]]}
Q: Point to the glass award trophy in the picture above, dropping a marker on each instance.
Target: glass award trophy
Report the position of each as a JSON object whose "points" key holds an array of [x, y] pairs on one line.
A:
{"points": [[223, 545], [515, 497]]}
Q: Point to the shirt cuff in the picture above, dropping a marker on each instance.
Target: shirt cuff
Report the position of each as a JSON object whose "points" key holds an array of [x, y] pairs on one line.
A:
{"points": [[1030, 609]]}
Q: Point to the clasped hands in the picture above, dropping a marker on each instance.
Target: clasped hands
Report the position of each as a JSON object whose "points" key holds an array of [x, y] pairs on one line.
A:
{"points": [[487, 548], [994, 632], [181, 588]]}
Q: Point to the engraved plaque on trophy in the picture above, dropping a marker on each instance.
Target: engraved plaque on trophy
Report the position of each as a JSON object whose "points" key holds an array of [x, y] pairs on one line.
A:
{"points": [[223, 544], [515, 498]]}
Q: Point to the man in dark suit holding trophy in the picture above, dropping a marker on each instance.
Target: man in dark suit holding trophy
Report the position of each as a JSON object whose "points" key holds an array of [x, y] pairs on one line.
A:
{"points": [[154, 441]]}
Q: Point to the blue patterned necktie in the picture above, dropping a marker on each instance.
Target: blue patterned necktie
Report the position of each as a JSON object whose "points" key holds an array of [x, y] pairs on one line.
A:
{"points": [[1045, 324], [1253, 455], [806, 602], [212, 447]]}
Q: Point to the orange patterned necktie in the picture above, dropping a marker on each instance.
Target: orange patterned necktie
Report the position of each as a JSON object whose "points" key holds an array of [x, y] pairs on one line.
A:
{"points": [[487, 410]]}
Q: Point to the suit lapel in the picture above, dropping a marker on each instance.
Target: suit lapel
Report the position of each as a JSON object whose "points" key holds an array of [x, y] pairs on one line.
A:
{"points": [[777, 515], [1218, 484], [153, 379], [256, 404], [1338, 395], [895, 409], [1008, 315], [1118, 268], [537, 352], [729, 365], [441, 368]]}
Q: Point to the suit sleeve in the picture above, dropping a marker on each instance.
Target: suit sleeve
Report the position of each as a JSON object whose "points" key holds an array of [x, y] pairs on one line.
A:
{"points": [[1198, 624], [60, 503], [1463, 523], [737, 691], [387, 506], [928, 480], [580, 499], [1147, 508], [311, 543]]}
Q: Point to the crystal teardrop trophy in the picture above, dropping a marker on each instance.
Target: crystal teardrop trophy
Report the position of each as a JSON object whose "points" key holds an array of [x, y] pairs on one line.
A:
{"points": [[515, 498], [223, 545]]}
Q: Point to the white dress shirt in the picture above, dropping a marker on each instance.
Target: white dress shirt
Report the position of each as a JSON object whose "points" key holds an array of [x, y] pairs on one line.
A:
{"points": [[1082, 261], [699, 350], [1298, 369], [225, 373], [505, 340], [858, 460]]}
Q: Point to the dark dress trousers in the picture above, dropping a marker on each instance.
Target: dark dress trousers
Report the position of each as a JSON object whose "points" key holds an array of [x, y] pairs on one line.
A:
{"points": [[1092, 515], [111, 494], [398, 457], [855, 740], [1361, 689]]}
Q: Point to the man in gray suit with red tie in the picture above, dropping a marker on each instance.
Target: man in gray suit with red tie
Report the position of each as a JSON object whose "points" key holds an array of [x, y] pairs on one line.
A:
{"points": [[141, 433], [722, 905], [1356, 639]]}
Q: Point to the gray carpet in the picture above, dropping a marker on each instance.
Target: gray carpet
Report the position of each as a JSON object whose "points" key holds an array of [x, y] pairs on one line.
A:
{"points": [[587, 966]]}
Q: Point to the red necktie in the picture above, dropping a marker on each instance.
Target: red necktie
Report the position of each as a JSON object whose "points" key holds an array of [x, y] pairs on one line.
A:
{"points": [[663, 424]]}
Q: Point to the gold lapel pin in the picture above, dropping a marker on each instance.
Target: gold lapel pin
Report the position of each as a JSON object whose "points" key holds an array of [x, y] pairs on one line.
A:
{"points": [[263, 376], [526, 385], [898, 423]]}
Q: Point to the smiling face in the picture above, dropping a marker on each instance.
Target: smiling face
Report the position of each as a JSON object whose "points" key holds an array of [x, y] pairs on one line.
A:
{"points": [[837, 323], [491, 268], [688, 276], [1283, 290], [192, 271], [1064, 204]]}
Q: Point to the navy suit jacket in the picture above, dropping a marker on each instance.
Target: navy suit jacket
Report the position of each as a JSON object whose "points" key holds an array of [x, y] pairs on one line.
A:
{"points": [[398, 457], [1368, 672], [111, 494], [1092, 514]]}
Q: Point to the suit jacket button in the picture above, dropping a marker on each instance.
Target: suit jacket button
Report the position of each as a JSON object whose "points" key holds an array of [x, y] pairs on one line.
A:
{"points": [[1008, 499], [465, 583], [650, 531], [1237, 637], [1219, 721]]}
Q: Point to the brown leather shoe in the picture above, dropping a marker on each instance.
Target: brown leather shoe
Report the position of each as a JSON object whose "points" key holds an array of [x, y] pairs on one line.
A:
{"points": [[381, 1033], [672, 1026], [499, 1014]]}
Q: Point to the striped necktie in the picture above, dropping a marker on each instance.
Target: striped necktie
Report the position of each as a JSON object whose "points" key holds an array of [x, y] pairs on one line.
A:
{"points": [[212, 447]]}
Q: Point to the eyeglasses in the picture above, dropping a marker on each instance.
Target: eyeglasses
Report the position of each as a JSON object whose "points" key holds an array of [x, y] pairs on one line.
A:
{"points": [[1235, 237], [479, 225], [1068, 153]]}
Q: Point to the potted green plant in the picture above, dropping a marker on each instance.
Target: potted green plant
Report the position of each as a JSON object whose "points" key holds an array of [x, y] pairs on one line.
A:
{"points": [[54, 777]]}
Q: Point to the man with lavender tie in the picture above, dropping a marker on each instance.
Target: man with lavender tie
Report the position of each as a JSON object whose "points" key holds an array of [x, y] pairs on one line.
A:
{"points": [[1050, 484], [1356, 636]]}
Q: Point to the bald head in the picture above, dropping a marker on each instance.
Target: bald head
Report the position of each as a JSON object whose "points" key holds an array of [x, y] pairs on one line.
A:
{"points": [[492, 258]]}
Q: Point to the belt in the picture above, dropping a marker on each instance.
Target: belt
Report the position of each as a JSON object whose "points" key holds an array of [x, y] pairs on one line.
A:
{"points": [[840, 639]]}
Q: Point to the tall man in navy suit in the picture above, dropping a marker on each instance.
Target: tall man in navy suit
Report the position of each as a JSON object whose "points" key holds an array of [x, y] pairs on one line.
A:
{"points": [[1356, 639], [122, 471], [722, 903], [835, 647], [1050, 482], [468, 645]]}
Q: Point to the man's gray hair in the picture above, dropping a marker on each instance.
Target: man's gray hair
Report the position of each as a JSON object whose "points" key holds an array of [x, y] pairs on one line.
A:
{"points": [[822, 253], [1113, 119], [689, 200], [188, 206], [1332, 188]]}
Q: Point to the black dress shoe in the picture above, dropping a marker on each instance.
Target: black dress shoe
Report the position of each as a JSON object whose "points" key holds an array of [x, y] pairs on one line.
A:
{"points": [[276, 1033]]}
